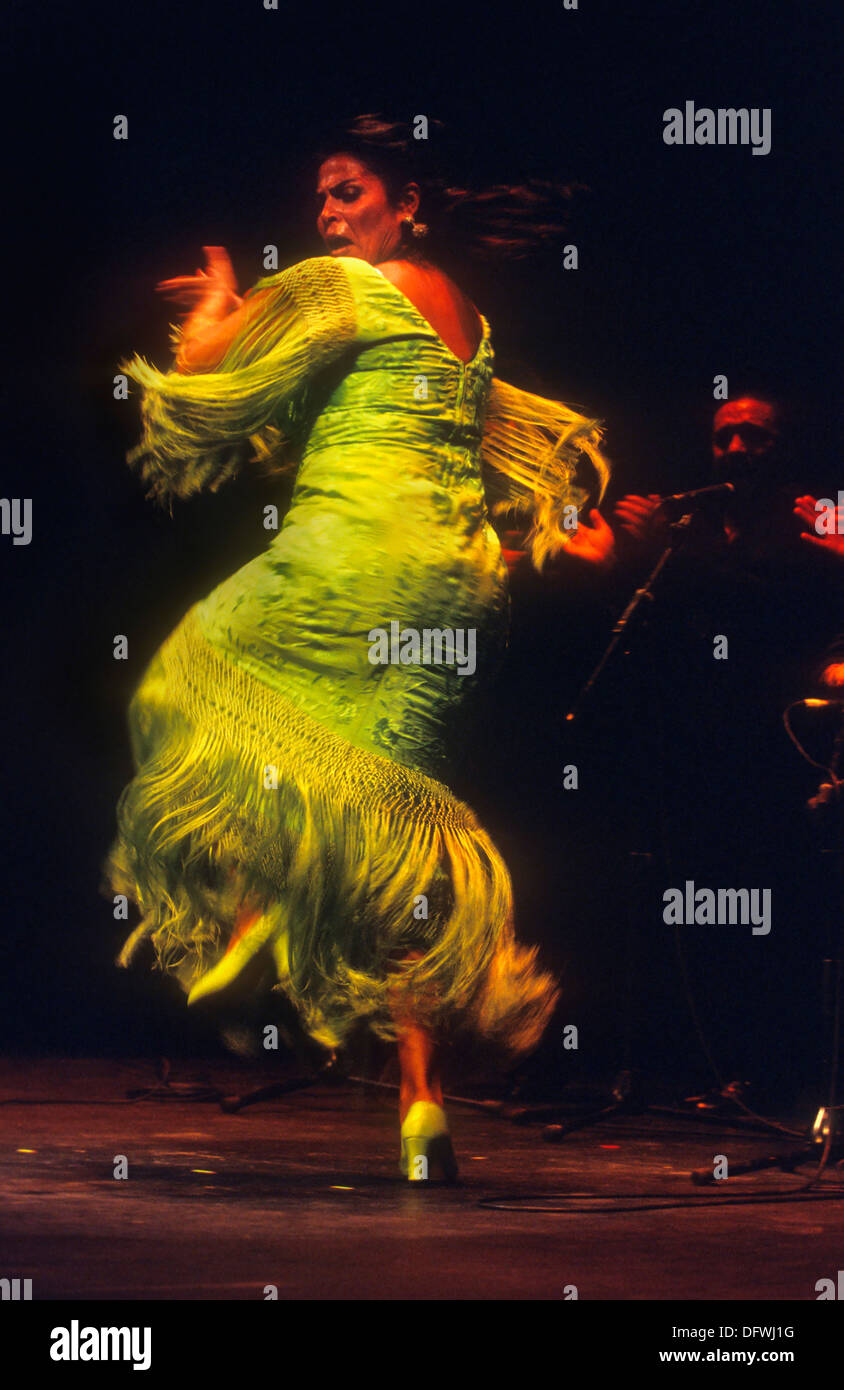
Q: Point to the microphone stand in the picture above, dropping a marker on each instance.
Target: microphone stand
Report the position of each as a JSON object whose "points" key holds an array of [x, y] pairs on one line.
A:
{"points": [[824, 1141], [626, 1094], [680, 529]]}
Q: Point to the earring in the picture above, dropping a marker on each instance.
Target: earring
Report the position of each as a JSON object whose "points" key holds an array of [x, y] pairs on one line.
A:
{"points": [[417, 229]]}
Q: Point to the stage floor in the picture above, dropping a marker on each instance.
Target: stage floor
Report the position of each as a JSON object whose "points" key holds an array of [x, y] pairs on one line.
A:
{"points": [[302, 1192]]}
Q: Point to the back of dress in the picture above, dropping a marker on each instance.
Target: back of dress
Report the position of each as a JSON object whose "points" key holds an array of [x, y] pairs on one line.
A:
{"points": [[387, 533]]}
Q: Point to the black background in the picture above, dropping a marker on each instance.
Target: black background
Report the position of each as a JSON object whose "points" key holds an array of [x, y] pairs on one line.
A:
{"points": [[693, 261]]}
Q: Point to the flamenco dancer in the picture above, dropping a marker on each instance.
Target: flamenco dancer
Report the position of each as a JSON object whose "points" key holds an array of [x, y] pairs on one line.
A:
{"points": [[290, 809]]}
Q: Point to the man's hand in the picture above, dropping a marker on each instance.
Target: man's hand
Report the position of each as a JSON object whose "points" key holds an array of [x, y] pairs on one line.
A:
{"points": [[594, 544], [806, 509], [642, 517]]}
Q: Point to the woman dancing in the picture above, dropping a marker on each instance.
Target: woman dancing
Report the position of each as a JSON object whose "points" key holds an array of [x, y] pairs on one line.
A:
{"points": [[289, 821]]}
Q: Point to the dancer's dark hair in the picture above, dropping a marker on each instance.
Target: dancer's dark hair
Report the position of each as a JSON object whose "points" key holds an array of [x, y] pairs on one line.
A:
{"points": [[498, 221]]}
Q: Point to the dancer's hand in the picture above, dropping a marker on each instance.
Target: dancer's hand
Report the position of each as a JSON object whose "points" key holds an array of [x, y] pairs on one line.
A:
{"points": [[595, 544], [511, 553], [218, 312], [806, 509], [210, 294], [641, 517]]}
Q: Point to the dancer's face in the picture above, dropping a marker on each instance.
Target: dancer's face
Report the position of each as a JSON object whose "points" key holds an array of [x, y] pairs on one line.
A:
{"points": [[354, 214]]}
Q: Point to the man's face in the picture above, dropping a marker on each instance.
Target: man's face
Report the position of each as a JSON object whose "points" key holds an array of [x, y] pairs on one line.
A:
{"points": [[745, 435]]}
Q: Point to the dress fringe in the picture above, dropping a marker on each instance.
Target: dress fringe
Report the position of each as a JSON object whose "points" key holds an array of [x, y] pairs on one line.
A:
{"points": [[240, 794]]}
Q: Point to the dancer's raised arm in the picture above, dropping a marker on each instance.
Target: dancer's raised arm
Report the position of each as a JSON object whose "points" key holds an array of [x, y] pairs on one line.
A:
{"points": [[218, 313]]}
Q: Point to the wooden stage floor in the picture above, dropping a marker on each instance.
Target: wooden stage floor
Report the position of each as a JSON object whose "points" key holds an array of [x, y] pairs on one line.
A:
{"points": [[302, 1192]]}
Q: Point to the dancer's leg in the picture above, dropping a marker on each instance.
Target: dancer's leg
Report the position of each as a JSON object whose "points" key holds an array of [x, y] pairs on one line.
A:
{"points": [[246, 918], [417, 1049], [418, 1058], [419, 1062]]}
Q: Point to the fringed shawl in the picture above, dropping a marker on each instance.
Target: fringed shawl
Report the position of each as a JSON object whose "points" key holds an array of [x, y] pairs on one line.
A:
{"points": [[541, 460]]}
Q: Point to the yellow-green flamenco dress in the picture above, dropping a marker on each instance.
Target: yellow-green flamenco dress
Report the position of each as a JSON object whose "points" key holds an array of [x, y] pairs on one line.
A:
{"points": [[275, 760]]}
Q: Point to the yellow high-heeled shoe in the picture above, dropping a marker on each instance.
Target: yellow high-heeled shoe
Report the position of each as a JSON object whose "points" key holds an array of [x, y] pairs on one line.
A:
{"points": [[426, 1151]]}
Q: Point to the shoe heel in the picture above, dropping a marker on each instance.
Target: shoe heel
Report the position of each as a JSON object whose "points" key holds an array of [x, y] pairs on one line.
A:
{"points": [[426, 1159], [426, 1151], [416, 1159]]}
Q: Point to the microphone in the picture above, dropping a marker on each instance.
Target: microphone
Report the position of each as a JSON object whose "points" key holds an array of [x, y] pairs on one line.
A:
{"points": [[710, 491], [699, 494]]}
